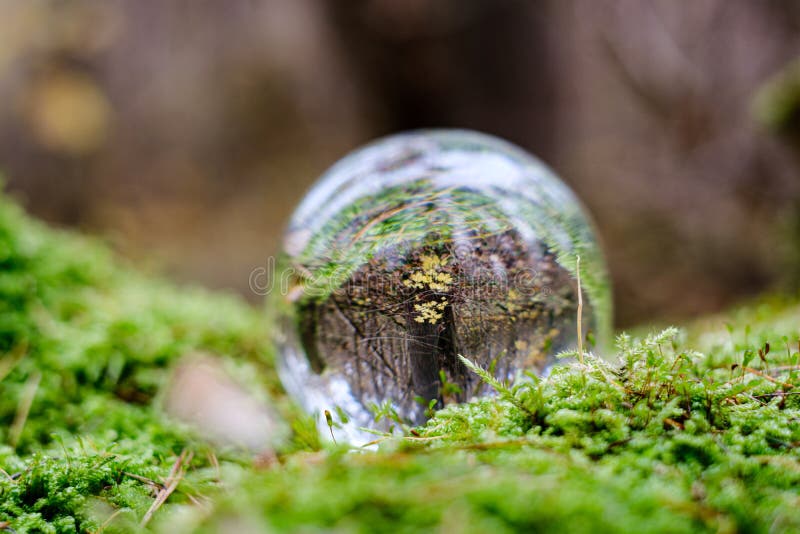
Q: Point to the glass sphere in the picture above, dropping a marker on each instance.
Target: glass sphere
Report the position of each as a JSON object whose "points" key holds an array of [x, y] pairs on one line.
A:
{"points": [[418, 248]]}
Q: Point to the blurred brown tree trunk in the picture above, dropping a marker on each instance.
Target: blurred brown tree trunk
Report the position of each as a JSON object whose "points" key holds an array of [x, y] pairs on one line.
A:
{"points": [[481, 64]]}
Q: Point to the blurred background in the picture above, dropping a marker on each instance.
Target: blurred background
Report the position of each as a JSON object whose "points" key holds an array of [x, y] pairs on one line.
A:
{"points": [[185, 132]]}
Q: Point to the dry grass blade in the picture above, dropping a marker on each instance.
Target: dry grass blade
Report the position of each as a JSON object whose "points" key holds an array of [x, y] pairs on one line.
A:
{"points": [[170, 484], [23, 409], [11, 359], [109, 521], [212, 459]]}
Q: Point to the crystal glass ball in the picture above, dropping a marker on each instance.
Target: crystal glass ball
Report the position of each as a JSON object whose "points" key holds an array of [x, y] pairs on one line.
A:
{"points": [[421, 247]]}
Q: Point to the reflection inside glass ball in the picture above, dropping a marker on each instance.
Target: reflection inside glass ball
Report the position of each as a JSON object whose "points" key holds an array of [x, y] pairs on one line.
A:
{"points": [[421, 247]]}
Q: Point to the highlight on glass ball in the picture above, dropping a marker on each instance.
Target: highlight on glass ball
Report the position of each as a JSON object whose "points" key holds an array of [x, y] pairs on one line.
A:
{"points": [[421, 247]]}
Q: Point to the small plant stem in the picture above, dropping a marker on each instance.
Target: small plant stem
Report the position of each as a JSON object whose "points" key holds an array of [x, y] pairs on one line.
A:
{"points": [[329, 420], [580, 310]]}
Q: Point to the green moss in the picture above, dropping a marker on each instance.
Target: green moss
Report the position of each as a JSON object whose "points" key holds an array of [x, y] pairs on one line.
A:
{"points": [[666, 442], [89, 343], [666, 439]]}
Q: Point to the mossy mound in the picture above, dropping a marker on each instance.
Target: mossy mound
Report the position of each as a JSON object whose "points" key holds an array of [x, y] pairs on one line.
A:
{"points": [[666, 440], [669, 441], [87, 345]]}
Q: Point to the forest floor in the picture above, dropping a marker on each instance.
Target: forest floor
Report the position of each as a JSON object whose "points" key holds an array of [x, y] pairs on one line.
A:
{"points": [[692, 430]]}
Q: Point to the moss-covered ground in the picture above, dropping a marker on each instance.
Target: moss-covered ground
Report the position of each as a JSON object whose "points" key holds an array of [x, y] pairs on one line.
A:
{"points": [[690, 431]]}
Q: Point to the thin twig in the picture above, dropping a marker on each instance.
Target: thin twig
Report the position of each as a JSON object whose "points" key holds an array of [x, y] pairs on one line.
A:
{"points": [[23, 408], [145, 480], [765, 376], [198, 500], [170, 484], [783, 369]]}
